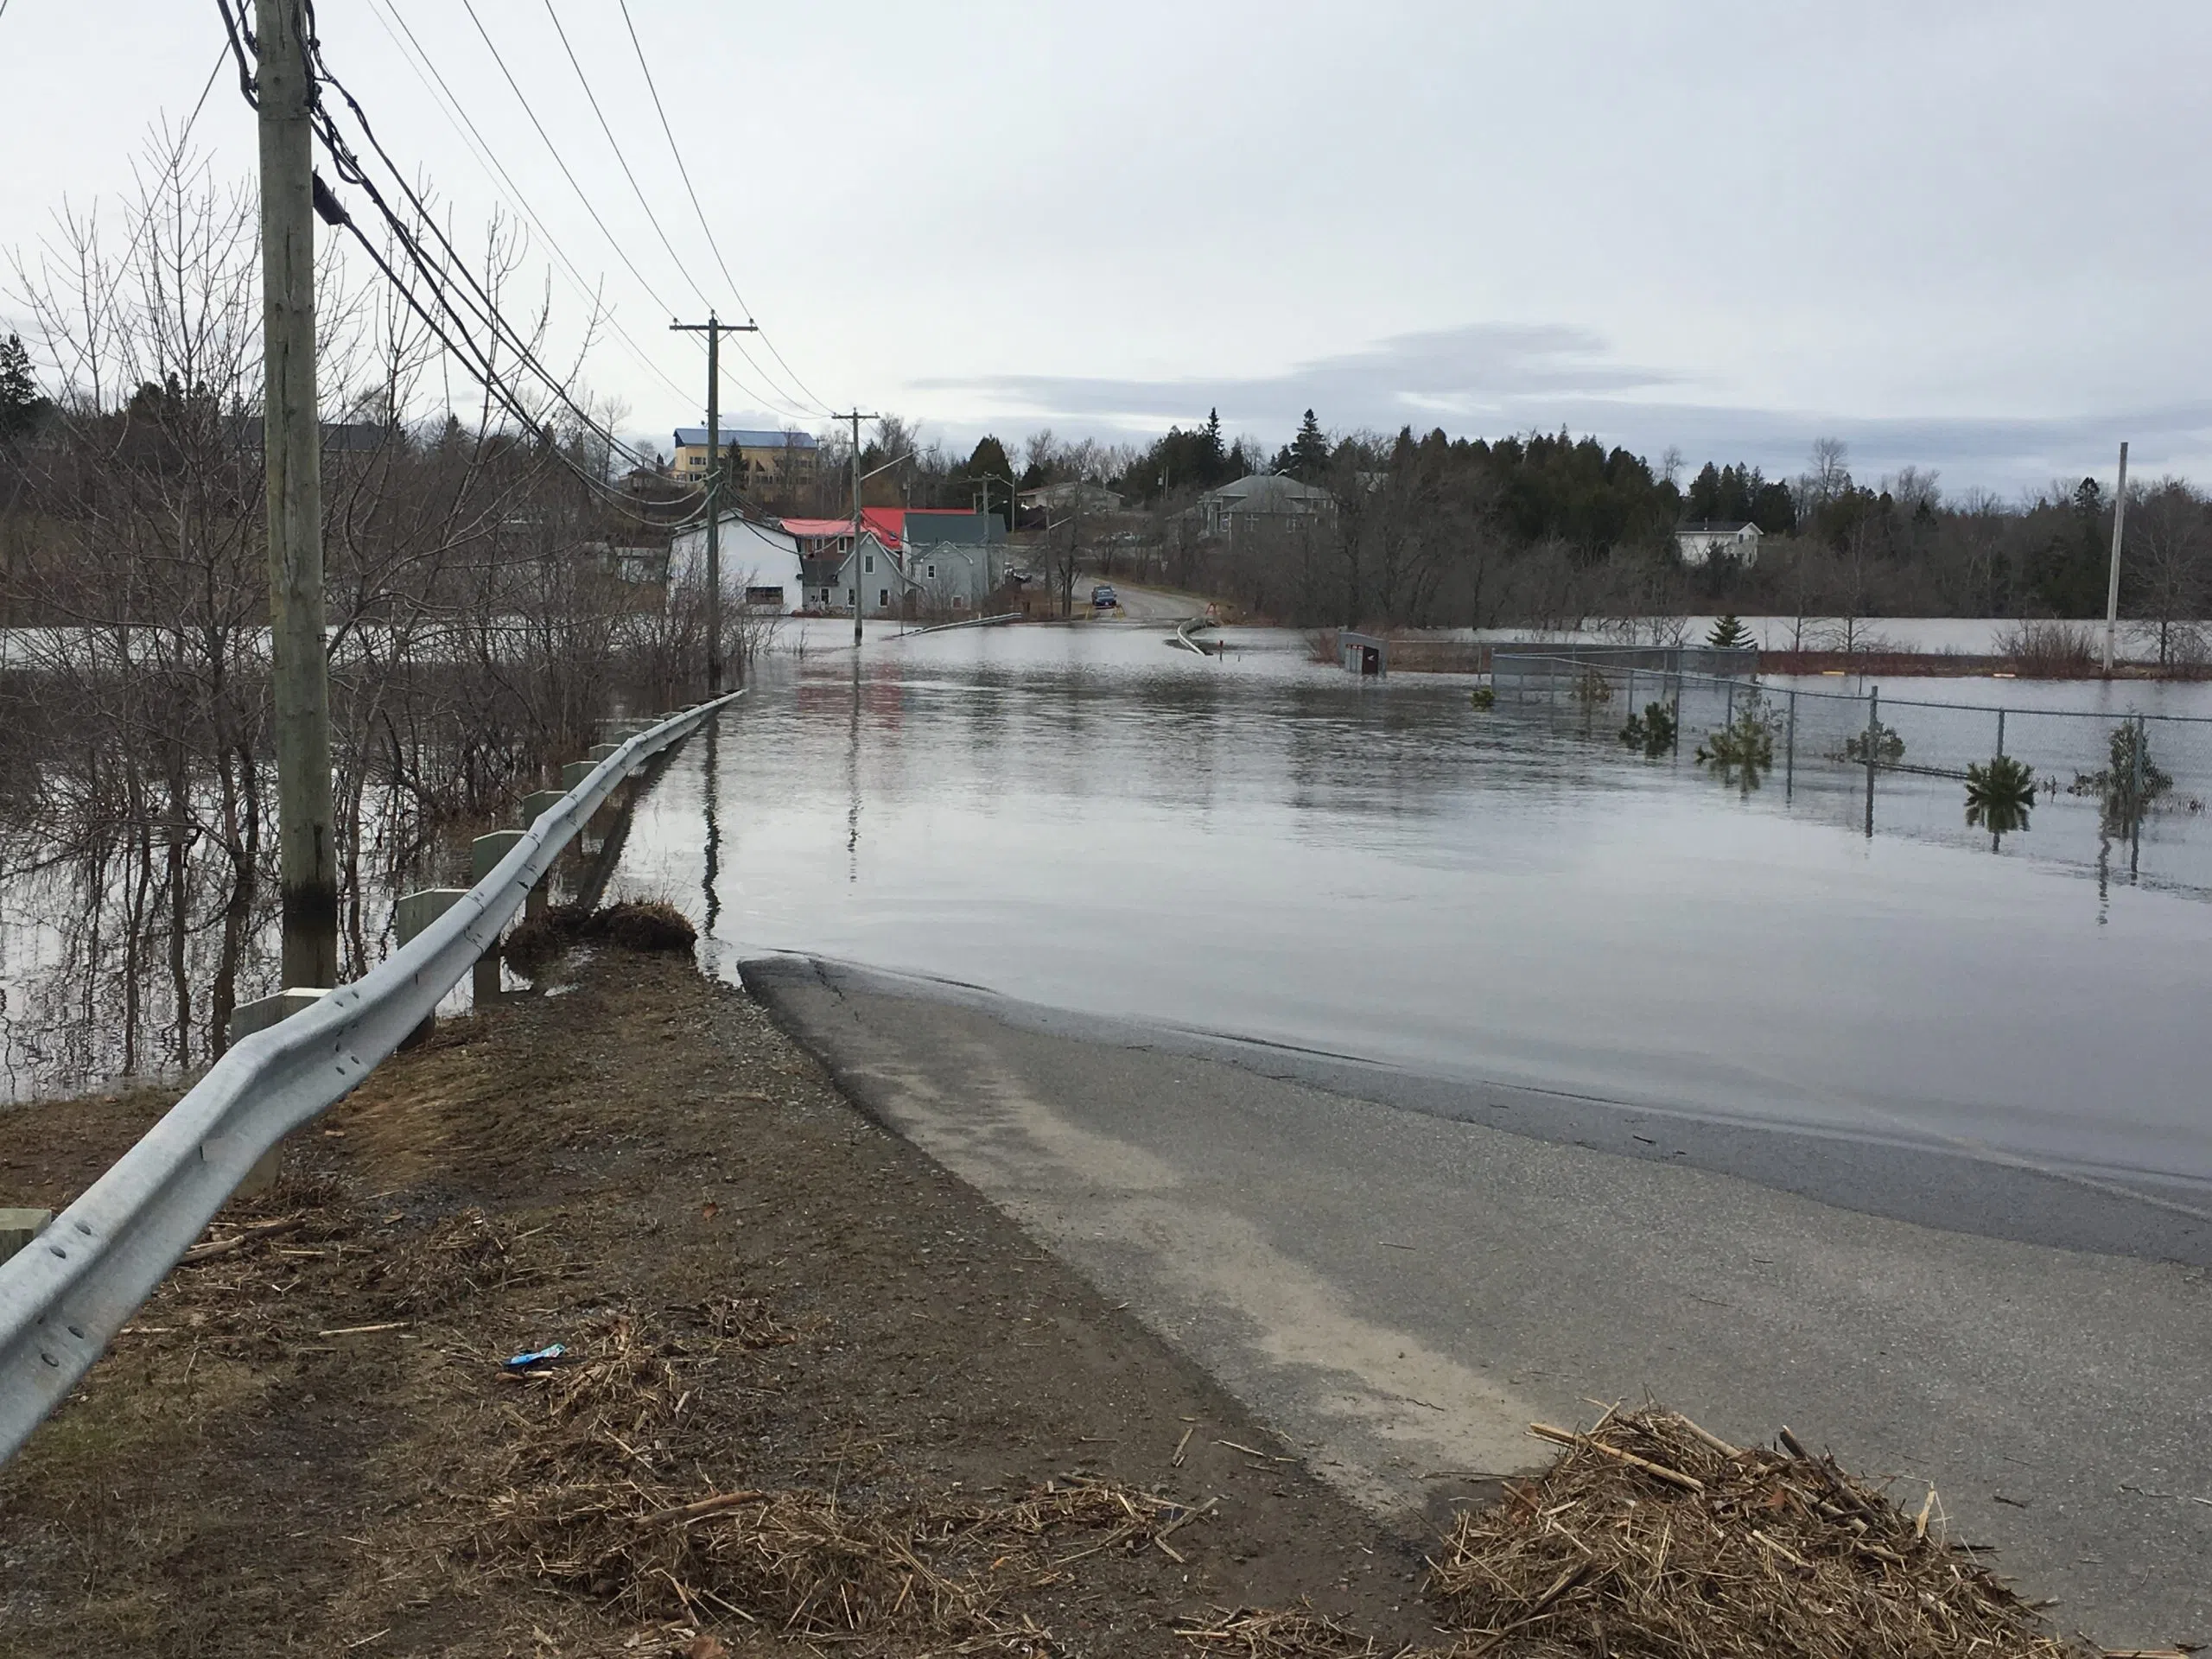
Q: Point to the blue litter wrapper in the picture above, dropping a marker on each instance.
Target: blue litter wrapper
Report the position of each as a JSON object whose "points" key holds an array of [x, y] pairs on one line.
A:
{"points": [[542, 1357]]}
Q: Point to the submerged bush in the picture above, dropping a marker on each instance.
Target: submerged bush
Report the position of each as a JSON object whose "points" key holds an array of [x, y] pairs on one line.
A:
{"points": [[1888, 746], [1999, 795], [1743, 750], [2128, 784], [1652, 731]]}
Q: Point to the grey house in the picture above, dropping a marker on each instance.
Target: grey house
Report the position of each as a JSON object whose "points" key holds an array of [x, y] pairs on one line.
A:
{"points": [[1265, 500], [955, 560]]}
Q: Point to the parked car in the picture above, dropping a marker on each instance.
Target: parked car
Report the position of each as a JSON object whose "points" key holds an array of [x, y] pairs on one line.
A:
{"points": [[1102, 597]]}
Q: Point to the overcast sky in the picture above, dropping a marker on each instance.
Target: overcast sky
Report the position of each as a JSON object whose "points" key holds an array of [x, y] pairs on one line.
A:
{"points": [[1971, 236]]}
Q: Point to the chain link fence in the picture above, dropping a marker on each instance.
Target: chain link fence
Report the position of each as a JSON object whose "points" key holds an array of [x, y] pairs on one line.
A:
{"points": [[2119, 783]]}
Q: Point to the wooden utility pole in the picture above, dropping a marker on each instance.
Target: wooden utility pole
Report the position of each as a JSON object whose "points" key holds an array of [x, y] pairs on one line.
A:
{"points": [[713, 329], [299, 654], [860, 594], [2111, 583]]}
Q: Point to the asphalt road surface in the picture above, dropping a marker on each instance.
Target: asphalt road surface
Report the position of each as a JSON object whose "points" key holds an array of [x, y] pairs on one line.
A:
{"points": [[1402, 1274]]}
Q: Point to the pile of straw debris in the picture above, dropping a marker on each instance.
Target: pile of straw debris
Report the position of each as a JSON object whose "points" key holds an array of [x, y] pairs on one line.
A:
{"points": [[1650, 1537]]}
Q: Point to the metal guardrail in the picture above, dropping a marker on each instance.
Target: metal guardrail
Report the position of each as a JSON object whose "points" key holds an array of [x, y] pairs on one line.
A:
{"points": [[65, 1295]]}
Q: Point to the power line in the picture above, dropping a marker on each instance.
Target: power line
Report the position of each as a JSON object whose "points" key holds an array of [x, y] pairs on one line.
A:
{"points": [[418, 59], [621, 252], [553, 150], [615, 144], [676, 150]]}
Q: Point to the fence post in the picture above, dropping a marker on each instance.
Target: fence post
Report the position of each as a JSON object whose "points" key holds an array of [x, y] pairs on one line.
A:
{"points": [[1873, 725], [2000, 734], [1789, 763], [2135, 839]]}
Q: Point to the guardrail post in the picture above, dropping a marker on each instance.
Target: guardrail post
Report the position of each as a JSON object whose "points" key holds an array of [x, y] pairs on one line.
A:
{"points": [[534, 805], [483, 856], [19, 1227], [415, 911], [244, 1022], [572, 777]]}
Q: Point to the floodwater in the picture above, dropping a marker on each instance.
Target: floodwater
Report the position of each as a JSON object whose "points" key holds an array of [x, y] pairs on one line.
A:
{"points": [[1257, 846]]}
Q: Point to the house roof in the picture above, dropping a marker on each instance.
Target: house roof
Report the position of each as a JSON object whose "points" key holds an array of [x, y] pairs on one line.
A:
{"points": [[691, 437], [1276, 490], [957, 525], [1717, 527], [886, 525]]}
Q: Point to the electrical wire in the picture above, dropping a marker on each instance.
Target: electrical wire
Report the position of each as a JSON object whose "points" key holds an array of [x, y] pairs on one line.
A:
{"points": [[615, 144], [621, 252], [676, 150], [434, 81], [473, 357]]}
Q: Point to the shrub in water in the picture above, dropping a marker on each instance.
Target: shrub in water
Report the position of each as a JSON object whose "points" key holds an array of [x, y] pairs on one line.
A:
{"points": [[2129, 784], [1998, 795], [1652, 731], [1484, 698], [1889, 748], [1744, 749]]}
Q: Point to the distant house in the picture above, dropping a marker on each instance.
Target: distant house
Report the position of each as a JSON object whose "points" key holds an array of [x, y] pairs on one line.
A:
{"points": [[761, 563], [767, 462], [1058, 499], [1702, 539], [955, 560], [1263, 500], [905, 560]]}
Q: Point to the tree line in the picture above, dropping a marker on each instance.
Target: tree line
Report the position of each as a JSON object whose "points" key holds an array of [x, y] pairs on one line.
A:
{"points": [[1548, 530]]}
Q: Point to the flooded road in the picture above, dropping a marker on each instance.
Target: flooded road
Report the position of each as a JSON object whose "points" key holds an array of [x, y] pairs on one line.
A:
{"points": [[1255, 846]]}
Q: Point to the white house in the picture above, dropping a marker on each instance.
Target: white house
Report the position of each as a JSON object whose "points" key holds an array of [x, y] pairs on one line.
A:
{"points": [[760, 564], [1701, 539]]}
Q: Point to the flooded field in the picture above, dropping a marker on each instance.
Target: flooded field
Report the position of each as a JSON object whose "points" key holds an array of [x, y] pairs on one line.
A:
{"points": [[1256, 846]]}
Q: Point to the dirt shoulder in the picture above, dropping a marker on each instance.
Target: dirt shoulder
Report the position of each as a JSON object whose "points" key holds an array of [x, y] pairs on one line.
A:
{"points": [[918, 1431]]}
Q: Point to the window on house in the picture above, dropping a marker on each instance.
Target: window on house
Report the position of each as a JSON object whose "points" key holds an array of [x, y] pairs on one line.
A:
{"points": [[932, 573], [868, 564], [883, 596]]}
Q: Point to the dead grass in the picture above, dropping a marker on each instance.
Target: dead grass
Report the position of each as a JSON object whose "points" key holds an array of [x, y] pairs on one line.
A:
{"points": [[1650, 1537], [591, 1502]]}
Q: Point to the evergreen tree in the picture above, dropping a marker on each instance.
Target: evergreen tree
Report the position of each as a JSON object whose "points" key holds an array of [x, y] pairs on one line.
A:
{"points": [[21, 405], [1214, 455], [1729, 634], [1309, 451]]}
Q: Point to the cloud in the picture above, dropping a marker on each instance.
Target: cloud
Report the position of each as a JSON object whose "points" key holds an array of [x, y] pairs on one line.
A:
{"points": [[1488, 380], [1469, 372]]}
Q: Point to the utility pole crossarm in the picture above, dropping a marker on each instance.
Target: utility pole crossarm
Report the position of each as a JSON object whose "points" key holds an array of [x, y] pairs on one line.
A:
{"points": [[714, 327]]}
